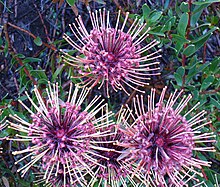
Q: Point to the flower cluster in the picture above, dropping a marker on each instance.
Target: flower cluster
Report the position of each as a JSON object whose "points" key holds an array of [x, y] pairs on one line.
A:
{"points": [[78, 143], [113, 57], [73, 147]]}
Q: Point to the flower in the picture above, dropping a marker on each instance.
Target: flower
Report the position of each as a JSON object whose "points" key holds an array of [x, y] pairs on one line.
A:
{"points": [[109, 157], [113, 57], [109, 163], [60, 134], [163, 140]]}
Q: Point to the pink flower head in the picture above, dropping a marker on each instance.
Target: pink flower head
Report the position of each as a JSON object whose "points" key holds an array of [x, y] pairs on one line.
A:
{"points": [[163, 140], [109, 164], [60, 134], [113, 57]]}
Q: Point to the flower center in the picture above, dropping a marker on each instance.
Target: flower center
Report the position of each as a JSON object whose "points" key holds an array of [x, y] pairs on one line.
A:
{"points": [[60, 133], [111, 58], [108, 51], [159, 142], [111, 155]]}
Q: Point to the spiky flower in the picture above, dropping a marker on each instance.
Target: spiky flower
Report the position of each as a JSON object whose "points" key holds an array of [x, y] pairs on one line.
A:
{"points": [[163, 140], [113, 57], [60, 134], [110, 166]]}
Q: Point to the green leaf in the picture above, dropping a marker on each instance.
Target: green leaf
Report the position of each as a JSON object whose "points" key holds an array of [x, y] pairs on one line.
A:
{"points": [[211, 178], [24, 183], [180, 41], [40, 74], [195, 94], [96, 184], [201, 68], [199, 42], [181, 71], [57, 72], [202, 26], [204, 35], [31, 59], [174, 49], [170, 13], [193, 70], [181, 28], [178, 75], [146, 11], [178, 79], [166, 4], [215, 63], [156, 33], [177, 37], [215, 102], [196, 13], [206, 2], [189, 50], [1, 41], [38, 41], [177, 9], [23, 98], [155, 16], [214, 20], [20, 55], [168, 24], [178, 47], [184, 7], [166, 27], [207, 82], [71, 2]]}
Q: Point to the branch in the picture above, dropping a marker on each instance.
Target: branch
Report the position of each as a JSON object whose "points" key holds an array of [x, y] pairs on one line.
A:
{"points": [[33, 36], [17, 58]]}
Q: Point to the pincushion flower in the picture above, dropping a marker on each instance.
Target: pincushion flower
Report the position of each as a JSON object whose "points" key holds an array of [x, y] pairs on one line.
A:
{"points": [[60, 134], [113, 57], [110, 166], [163, 140]]}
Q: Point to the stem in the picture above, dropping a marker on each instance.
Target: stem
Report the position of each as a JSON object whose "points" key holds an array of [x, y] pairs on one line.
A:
{"points": [[13, 53], [42, 21], [17, 58], [33, 36]]}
